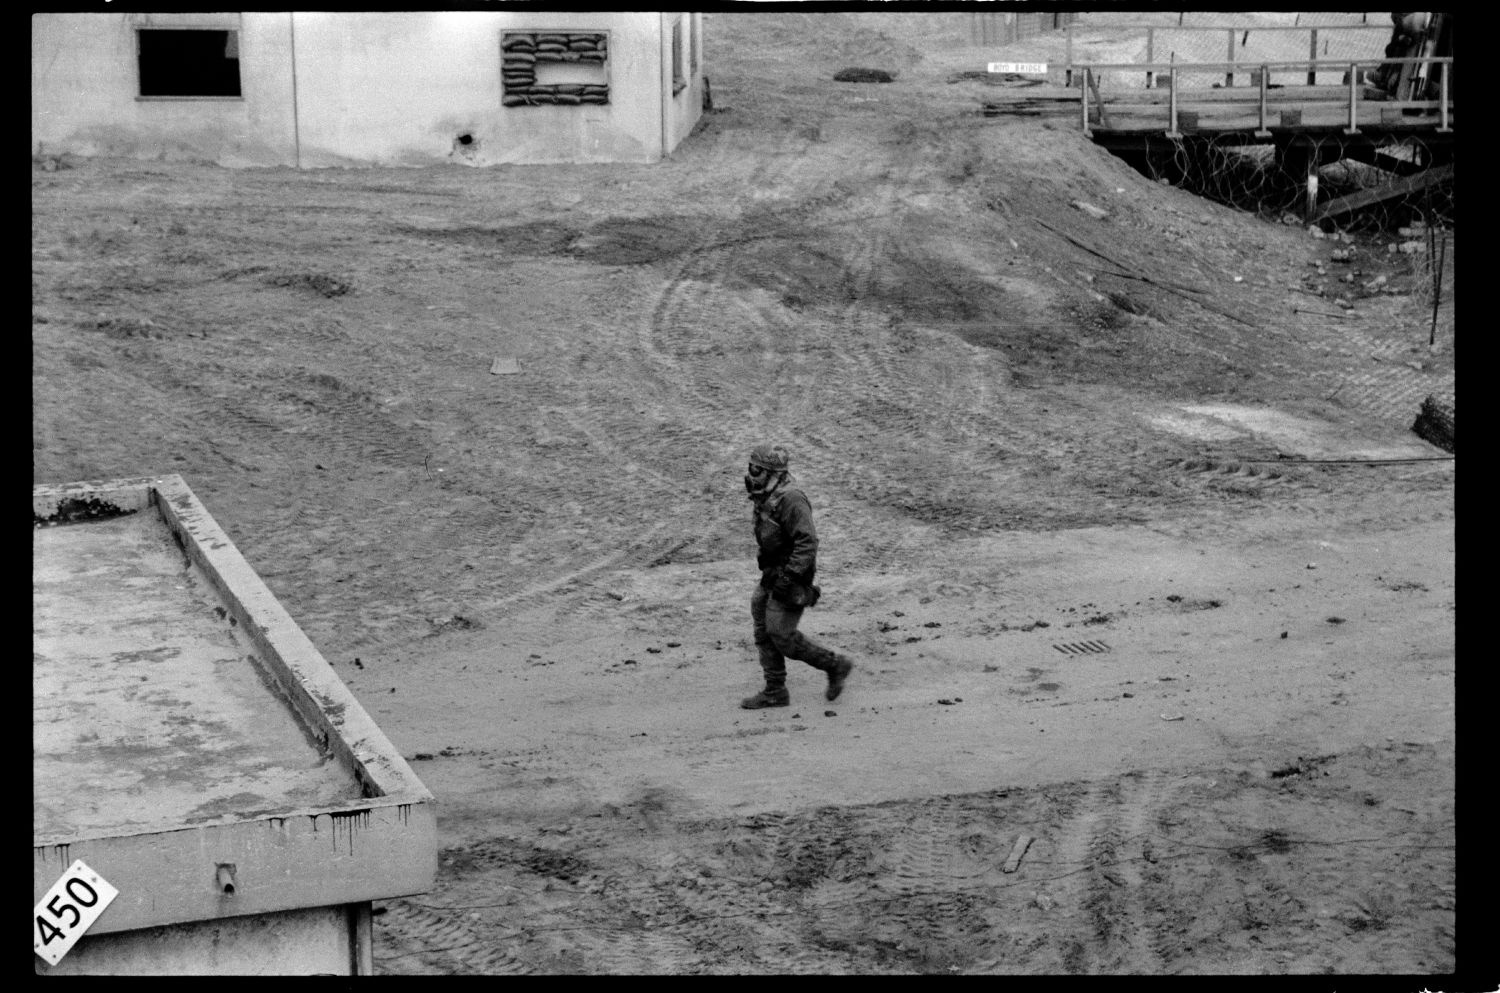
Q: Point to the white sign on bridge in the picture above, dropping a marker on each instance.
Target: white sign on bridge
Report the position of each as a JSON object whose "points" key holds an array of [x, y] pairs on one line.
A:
{"points": [[1019, 67]]}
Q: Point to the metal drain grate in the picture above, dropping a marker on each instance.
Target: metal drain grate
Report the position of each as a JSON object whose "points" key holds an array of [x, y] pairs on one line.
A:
{"points": [[1083, 648]]}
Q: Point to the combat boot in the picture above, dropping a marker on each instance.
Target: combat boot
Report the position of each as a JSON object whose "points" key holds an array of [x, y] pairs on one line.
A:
{"points": [[768, 697], [836, 677]]}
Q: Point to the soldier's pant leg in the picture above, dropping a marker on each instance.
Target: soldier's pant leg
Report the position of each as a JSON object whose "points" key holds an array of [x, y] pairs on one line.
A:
{"points": [[772, 660], [781, 630]]}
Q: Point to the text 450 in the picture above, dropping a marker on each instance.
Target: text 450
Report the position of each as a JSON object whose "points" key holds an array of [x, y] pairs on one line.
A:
{"points": [[67, 910]]}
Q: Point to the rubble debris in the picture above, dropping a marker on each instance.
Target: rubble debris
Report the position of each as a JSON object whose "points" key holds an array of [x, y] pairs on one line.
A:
{"points": [[1434, 423]]}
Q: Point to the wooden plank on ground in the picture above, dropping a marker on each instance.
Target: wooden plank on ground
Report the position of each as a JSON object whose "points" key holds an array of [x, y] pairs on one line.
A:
{"points": [[1399, 188], [1017, 850]]}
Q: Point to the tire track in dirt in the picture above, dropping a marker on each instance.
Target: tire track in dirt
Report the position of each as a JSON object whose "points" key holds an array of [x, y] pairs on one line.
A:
{"points": [[693, 300], [622, 473], [942, 881], [1106, 837], [870, 389], [347, 421], [1113, 882], [1393, 392], [1232, 477], [411, 939]]}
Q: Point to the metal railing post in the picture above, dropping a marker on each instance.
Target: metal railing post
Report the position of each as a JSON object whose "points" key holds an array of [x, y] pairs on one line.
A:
{"points": [[1150, 57], [1229, 76], [1443, 97], [1353, 127], [1312, 54], [1069, 79], [1172, 131], [1084, 80], [1264, 76]]}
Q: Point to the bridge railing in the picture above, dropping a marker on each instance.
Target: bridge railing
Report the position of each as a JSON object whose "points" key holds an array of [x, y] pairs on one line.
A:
{"points": [[1262, 73], [1362, 40]]}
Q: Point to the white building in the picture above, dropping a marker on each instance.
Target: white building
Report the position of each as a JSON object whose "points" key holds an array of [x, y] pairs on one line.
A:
{"points": [[399, 88]]}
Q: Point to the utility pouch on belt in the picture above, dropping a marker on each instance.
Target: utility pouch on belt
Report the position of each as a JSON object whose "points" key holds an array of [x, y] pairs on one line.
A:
{"points": [[802, 596], [795, 594]]}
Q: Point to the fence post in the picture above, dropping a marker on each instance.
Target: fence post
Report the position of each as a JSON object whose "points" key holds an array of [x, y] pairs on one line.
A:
{"points": [[1229, 76], [1312, 54], [1172, 131], [1069, 78], [1150, 57], [1084, 80]]}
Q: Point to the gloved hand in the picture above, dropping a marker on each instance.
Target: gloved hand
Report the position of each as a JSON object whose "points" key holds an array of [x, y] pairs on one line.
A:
{"points": [[781, 582]]}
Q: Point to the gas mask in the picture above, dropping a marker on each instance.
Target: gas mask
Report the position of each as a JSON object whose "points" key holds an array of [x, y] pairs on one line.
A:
{"points": [[759, 480]]}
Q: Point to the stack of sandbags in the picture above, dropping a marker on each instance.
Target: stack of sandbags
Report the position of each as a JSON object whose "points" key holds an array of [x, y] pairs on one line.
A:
{"points": [[517, 67], [571, 47], [521, 53]]}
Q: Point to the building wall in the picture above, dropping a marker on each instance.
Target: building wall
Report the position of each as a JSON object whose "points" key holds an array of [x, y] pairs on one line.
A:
{"points": [[84, 86], [391, 88], [682, 109]]}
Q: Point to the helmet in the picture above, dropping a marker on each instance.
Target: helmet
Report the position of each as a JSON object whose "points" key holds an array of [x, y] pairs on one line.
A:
{"points": [[772, 457]]}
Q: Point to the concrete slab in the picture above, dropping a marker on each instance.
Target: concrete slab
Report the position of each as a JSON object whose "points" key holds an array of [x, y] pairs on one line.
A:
{"points": [[149, 711], [182, 722]]}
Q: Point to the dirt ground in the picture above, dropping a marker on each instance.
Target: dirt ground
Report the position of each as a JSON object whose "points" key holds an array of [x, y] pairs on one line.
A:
{"points": [[1148, 580]]}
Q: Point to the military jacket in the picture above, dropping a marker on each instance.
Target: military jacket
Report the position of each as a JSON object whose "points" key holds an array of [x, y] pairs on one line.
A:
{"points": [[785, 535]]}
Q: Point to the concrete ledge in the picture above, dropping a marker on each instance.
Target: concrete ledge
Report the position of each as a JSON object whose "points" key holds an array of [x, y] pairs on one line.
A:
{"points": [[332, 814]]}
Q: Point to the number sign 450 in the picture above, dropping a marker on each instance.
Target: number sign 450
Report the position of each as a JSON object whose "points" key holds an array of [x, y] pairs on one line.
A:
{"points": [[68, 909]]}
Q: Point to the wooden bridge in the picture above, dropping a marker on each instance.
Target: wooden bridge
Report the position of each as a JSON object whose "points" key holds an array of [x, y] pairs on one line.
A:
{"points": [[1138, 107], [1309, 126]]}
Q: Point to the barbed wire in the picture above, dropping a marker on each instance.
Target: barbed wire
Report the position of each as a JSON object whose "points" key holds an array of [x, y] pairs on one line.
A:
{"points": [[1385, 194]]}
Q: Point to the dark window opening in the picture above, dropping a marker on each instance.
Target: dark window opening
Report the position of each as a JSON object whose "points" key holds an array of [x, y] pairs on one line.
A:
{"points": [[189, 63]]}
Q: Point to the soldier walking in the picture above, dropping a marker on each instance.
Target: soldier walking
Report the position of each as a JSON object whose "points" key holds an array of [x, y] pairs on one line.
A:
{"points": [[788, 560]]}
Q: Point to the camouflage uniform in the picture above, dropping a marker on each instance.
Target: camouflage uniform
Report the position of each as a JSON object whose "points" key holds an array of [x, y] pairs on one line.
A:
{"points": [[788, 545]]}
